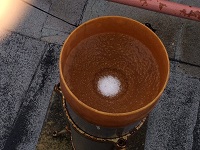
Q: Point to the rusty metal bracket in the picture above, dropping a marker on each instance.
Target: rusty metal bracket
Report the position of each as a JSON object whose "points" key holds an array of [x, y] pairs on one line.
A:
{"points": [[57, 88], [119, 142], [66, 130]]}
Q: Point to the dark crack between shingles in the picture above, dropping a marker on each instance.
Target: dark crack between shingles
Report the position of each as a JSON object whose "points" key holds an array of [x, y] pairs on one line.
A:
{"points": [[49, 13], [82, 14]]}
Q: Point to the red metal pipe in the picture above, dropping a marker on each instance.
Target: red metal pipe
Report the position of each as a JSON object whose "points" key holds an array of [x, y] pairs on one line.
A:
{"points": [[166, 7]]}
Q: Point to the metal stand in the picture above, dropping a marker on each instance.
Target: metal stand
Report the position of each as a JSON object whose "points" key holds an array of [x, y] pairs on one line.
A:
{"points": [[65, 130]]}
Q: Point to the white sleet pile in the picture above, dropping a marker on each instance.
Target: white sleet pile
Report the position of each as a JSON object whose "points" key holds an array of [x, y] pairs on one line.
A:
{"points": [[109, 86]]}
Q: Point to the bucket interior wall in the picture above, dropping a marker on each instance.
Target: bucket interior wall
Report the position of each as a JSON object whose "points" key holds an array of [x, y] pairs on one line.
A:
{"points": [[119, 25]]}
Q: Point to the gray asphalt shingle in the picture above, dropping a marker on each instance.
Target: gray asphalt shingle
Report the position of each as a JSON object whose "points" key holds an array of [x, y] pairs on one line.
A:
{"points": [[19, 59], [29, 70]]}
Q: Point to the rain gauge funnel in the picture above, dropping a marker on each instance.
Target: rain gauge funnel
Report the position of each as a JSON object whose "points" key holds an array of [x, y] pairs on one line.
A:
{"points": [[112, 72]]}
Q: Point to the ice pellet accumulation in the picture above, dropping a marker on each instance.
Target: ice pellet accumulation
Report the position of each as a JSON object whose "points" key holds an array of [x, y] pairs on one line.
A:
{"points": [[109, 86]]}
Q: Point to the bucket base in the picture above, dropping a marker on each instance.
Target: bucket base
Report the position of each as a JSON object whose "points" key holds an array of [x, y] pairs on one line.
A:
{"points": [[56, 120]]}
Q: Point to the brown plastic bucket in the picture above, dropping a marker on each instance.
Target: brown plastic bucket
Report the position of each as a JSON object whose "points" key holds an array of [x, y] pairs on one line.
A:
{"points": [[125, 26]]}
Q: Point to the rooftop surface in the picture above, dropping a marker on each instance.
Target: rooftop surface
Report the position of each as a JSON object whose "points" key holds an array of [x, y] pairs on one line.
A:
{"points": [[29, 70]]}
